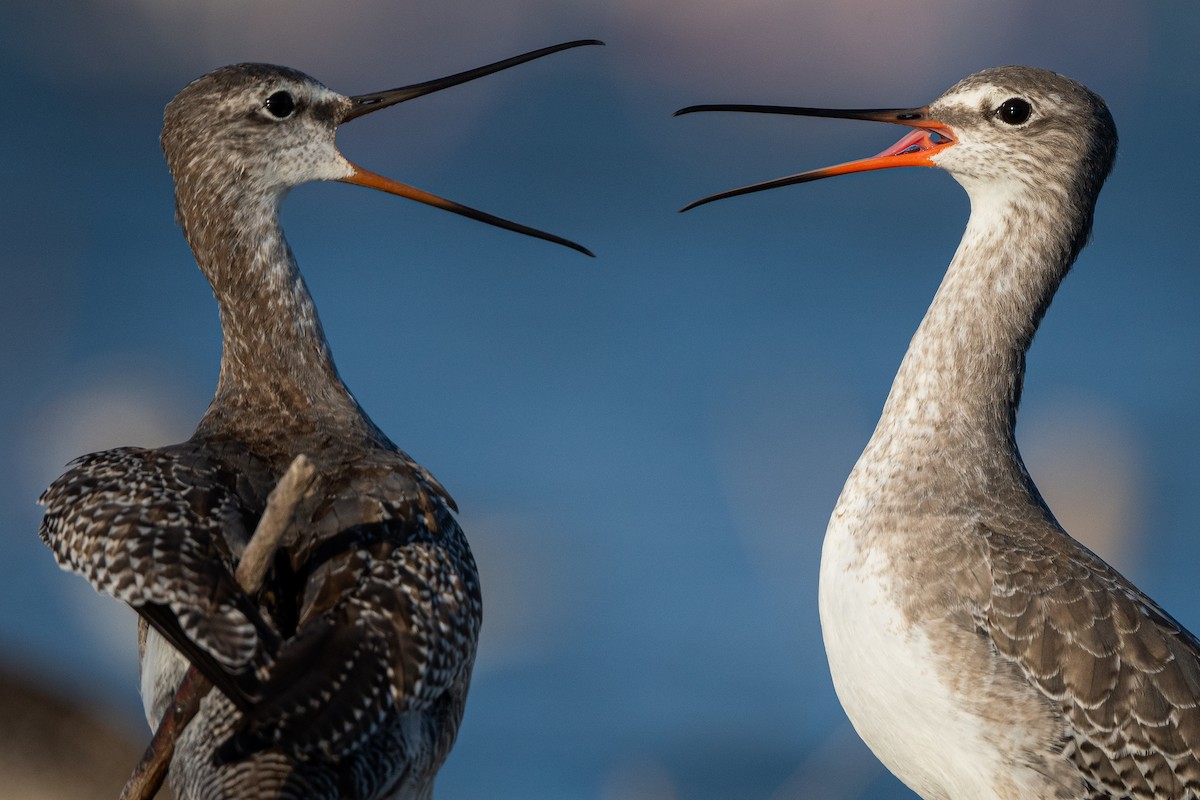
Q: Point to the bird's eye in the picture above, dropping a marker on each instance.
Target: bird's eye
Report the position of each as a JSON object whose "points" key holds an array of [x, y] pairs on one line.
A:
{"points": [[1014, 111], [280, 105]]}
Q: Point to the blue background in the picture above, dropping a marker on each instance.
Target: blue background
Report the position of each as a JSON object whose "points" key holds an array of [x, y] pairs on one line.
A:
{"points": [[645, 447]]}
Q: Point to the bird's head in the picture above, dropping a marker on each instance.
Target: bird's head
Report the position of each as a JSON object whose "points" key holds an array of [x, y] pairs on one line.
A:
{"points": [[255, 128], [250, 132], [1006, 129]]}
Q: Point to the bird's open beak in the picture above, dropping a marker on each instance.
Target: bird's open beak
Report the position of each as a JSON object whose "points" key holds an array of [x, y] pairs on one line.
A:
{"points": [[366, 103], [916, 149]]}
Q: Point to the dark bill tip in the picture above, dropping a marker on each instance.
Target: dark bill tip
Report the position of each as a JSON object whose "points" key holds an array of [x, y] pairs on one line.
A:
{"points": [[373, 180], [902, 116], [366, 103]]}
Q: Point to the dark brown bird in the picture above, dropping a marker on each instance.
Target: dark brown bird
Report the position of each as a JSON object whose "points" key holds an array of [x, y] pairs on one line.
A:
{"points": [[978, 649], [347, 674]]}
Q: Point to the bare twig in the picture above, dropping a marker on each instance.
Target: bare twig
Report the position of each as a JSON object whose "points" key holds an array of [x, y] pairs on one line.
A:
{"points": [[151, 770], [276, 519], [293, 487]]}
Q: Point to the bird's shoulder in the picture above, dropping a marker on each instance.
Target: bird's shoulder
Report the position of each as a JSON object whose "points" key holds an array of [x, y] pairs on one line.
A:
{"points": [[161, 529], [386, 616], [127, 491], [1123, 673]]}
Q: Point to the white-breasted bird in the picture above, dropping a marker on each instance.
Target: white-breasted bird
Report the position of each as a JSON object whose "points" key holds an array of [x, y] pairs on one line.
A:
{"points": [[978, 649]]}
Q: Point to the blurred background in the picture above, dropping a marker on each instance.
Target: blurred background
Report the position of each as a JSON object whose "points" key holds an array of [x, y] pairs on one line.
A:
{"points": [[645, 447]]}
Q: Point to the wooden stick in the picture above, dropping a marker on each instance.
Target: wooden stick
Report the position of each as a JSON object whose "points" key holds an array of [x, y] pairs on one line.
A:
{"points": [[294, 486], [151, 770]]}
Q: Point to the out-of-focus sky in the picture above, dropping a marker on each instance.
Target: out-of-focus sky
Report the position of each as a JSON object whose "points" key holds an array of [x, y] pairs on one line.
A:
{"points": [[645, 447]]}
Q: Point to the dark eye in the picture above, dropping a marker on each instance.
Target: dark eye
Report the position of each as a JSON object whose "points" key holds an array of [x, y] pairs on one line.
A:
{"points": [[1014, 111], [280, 104]]}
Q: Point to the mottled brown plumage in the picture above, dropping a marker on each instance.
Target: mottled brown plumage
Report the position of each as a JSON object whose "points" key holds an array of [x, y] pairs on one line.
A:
{"points": [[347, 674], [978, 649]]}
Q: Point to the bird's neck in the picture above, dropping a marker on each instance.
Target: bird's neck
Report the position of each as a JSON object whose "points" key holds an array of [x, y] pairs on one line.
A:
{"points": [[275, 362], [954, 401]]}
